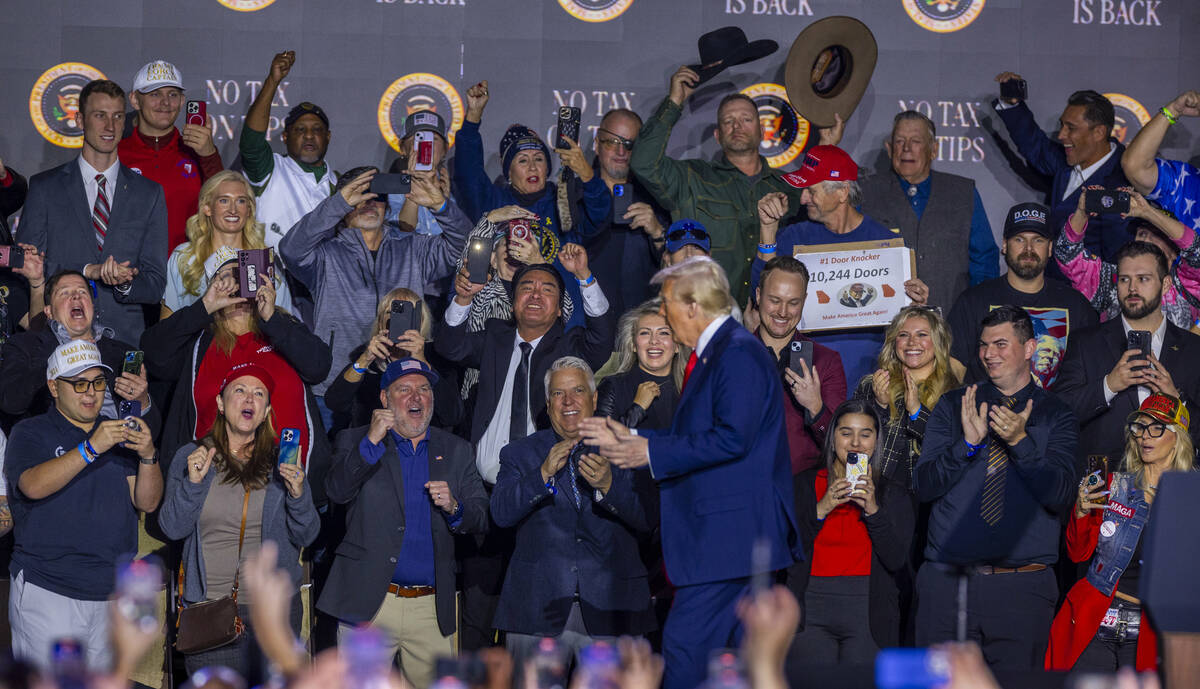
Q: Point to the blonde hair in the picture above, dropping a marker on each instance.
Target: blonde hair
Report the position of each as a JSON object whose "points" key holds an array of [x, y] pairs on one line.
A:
{"points": [[1182, 458], [627, 357], [939, 381], [384, 308], [701, 281], [200, 231]]}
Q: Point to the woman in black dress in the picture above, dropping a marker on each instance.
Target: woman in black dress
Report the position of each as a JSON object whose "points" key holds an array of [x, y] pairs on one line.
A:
{"points": [[644, 390]]}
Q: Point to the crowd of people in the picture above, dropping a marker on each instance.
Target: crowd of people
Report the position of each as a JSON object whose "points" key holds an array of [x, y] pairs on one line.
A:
{"points": [[589, 424]]}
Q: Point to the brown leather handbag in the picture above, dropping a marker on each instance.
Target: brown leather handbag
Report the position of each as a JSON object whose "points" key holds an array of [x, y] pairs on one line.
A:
{"points": [[214, 623]]}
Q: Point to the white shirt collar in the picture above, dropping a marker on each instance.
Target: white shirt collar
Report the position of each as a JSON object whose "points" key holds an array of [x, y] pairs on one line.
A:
{"points": [[1085, 173], [518, 340], [89, 173], [707, 334]]}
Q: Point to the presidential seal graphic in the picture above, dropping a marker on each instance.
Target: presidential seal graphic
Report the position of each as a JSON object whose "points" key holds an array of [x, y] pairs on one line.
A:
{"points": [[246, 5], [1129, 116], [595, 10], [784, 131], [943, 16], [418, 91], [54, 102]]}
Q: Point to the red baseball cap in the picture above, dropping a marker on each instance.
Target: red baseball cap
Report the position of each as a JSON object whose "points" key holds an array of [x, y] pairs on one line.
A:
{"points": [[823, 164]]}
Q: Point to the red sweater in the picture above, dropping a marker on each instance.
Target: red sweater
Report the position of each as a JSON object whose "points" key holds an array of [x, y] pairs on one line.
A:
{"points": [[177, 168], [843, 546]]}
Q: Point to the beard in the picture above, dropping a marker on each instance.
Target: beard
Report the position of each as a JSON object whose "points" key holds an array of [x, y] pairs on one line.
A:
{"points": [[1026, 270], [1148, 307]]}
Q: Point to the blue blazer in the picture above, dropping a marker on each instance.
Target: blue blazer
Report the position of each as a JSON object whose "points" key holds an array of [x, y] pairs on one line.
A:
{"points": [[58, 221], [1105, 233], [560, 548], [723, 469]]}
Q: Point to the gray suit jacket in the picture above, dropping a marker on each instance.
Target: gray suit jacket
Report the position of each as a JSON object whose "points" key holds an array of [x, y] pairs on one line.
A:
{"points": [[58, 221]]}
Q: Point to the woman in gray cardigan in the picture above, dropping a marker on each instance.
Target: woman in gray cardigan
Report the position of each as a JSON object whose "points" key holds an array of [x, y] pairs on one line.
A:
{"points": [[229, 473]]}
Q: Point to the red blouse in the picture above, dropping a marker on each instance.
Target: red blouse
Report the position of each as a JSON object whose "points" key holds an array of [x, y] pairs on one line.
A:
{"points": [[843, 546]]}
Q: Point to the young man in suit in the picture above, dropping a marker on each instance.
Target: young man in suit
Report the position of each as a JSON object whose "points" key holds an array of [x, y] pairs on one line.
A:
{"points": [[98, 217], [511, 356], [575, 572], [724, 477], [410, 489], [1104, 380]]}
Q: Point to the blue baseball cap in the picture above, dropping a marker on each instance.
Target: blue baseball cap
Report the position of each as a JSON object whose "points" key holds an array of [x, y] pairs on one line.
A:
{"points": [[683, 232], [402, 367]]}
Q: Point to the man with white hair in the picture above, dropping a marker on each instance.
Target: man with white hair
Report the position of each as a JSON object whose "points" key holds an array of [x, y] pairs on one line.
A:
{"points": [[575, 572], [723, 469]]}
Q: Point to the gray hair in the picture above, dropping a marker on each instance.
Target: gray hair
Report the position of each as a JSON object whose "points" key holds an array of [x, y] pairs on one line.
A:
{"points": [[915, 116], [566, 362], [699, 280], [854, 196]]}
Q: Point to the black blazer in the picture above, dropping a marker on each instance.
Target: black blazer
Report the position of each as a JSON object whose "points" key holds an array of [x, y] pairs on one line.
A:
{"points": [[58, 221], [490, 349], [1091, 356], [374, 493], [12, 198], [891, 531]]}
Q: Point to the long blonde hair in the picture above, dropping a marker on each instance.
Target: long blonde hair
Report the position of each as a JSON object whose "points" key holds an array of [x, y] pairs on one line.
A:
{"points": [[627, 357], [1182, 458], [200, 232], [939, 381]]}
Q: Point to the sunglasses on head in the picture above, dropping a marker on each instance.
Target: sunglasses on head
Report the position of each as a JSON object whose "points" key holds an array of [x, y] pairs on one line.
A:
{"points": [[688, 230], [614, 141]]}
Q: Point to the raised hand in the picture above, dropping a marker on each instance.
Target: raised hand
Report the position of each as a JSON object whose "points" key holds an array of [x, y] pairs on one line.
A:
{"points": [[477, 100]]}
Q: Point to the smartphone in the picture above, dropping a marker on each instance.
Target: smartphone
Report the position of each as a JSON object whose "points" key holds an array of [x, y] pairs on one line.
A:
{"points": [[133, 362], [801, 350], [599, 666], [1106, 201], [549, 666], [857, 464], [68, 663], [404, 316], [1139, 340], [390, 183], [254, 267], [1097, 472], [568, 126], [12, 257], [479, 261], [1014, 88], [195, 112], [622, 197], [128, 410], [423, 154], [289, 446], [521, 228], [911, 668], [139, 584]]}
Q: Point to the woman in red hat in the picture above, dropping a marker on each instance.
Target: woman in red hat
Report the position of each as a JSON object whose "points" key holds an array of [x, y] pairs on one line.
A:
{"points": [[1101, 626]]}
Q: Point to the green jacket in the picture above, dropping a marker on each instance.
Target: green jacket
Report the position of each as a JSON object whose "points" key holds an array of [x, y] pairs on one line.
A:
{"points": [[714, 193]]}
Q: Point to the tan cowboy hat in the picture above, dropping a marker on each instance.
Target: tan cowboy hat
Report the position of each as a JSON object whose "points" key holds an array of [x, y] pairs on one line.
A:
{"points": [[829, 67]]}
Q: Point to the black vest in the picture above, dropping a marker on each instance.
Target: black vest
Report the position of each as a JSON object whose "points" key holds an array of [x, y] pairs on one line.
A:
{"points": [[942, 261]]}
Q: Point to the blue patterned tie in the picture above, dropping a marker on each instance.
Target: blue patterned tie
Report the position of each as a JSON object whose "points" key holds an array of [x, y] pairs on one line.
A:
{"points": [[572, 462]]}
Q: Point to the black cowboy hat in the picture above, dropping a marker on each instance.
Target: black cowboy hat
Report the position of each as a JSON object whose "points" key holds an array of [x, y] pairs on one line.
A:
{"points": [[726, 47]]}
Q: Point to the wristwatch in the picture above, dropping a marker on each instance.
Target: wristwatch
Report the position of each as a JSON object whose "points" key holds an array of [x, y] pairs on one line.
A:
{"points": [[152, 460]]}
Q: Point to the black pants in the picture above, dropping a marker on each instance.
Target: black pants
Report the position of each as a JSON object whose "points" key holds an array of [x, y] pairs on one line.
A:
{"points": [[1107, 656], [1009, 615], [484, 562], [837, 622]]}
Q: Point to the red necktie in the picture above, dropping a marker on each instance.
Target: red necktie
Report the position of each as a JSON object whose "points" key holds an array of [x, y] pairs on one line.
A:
{"points": [[687, 370]]}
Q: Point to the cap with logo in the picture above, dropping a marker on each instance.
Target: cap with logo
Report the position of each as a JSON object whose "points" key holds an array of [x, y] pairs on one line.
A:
{"points": [[683, 232], [823, 164], [403, 367], [303, 109], [73, 358], [424, 121], [155, 75], [1027, 217], [216, 260], [1164, 408], [250, 369]]}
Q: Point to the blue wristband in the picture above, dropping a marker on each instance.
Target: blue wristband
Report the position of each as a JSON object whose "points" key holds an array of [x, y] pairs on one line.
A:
{"points": [[972, 449], [767, 248], [915, 415], [91, 449], [589, 281], [87, 457], [550, 487], [359, 371]]}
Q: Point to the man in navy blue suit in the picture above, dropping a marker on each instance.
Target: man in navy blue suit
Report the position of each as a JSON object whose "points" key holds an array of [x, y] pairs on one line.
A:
{"points": [[723, 470], [1084, 152], [575, 573]]}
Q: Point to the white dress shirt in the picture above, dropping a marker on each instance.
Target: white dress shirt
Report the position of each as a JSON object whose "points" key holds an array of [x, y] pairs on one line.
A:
{"points": [[594, 304], [1156, 344], [495, 436], [1081, 175], [91, 187]]}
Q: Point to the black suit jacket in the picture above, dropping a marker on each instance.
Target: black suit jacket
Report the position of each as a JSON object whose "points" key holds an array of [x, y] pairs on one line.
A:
{"points": [[12, 198], [374, 493], [1092, 355], [490, 350], [58, 221], [561, 548]]}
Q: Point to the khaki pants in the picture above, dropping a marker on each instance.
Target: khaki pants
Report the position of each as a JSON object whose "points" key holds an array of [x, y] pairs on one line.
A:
{"points": [[411, 628]]}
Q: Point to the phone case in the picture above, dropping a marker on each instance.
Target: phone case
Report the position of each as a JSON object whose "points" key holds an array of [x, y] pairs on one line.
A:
{"points": [[197, 112], [622, 198], [479, 261], [254, 267], [423, 141], [133, 362], [855, 471], [568, 126], [289, 446]]}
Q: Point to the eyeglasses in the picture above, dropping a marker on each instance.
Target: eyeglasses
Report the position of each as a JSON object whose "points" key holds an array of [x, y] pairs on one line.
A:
{"points": [[1154, 430], [81, 385], [687, 230], [611, 144]]}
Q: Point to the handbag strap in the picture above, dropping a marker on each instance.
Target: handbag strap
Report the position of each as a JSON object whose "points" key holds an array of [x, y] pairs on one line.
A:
{"points": [[241, 537]]}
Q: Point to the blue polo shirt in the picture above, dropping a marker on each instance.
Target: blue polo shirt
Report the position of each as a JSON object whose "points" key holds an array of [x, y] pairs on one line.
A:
{"points": [[70, 542], [414, 563]]}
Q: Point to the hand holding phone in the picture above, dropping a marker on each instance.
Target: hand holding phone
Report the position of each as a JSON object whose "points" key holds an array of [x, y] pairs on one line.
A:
{"points": [[1106, 201], [289, 446], [622, 198], [12, 256], [479, 260], [1014, 89], [422, 151], [196, 112], [568, 126], [404, 317]]}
